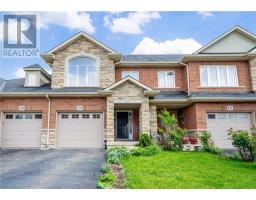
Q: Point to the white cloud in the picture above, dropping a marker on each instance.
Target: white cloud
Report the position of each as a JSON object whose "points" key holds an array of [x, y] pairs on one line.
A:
{"points": [[72, 20], [132, 24], [205, 14], [177, 46], [19, 73]]}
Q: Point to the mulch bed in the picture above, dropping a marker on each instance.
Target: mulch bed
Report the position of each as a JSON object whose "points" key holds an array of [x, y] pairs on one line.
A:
{"points": [[117, 170]]}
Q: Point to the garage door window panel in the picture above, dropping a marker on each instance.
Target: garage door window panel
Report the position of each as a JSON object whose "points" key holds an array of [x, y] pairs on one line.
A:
{"points": [[9, 116], [28, 116], [19, 116], [38, 116]]}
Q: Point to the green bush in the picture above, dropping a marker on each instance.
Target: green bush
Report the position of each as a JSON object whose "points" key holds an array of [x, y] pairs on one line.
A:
{"points": [[236, 156], [145, 140], [215, 150], [176, 136], [114, 155], [106, 181], [205, 137], [146, 151], [105, 169], [245, 143]]}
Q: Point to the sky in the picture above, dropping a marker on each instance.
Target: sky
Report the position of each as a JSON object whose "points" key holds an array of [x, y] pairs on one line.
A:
{"points": [[131, 32]]}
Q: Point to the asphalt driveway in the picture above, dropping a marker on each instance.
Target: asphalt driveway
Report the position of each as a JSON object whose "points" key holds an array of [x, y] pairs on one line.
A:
{"points": [[71, 169]]}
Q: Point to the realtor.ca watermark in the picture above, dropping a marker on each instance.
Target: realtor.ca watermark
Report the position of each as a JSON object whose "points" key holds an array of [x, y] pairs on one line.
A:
{"points": [[21, 36]]}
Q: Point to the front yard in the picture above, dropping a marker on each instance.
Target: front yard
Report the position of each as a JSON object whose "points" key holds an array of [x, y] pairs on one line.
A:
{"points": [[188, 170]]}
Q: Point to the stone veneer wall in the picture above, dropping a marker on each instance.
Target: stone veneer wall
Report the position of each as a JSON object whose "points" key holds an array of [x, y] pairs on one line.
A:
{"points": [[127, 93], [52, 138], [153, 119], [253, 73], [107, 70]]}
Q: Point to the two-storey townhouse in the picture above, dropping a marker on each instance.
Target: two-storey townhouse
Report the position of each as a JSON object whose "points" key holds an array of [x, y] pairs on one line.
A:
{"points": [[96, 96]]}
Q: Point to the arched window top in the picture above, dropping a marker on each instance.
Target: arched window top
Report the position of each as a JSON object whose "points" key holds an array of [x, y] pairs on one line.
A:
{"points": [[85, 60], [82, 72]]}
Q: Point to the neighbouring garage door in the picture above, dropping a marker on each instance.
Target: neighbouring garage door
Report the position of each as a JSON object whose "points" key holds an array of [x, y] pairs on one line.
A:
{"points": [[22, 130], [80, 130], [219, 123]]}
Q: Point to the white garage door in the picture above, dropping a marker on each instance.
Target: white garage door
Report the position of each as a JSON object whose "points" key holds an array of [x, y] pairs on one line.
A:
{"points": [[22, 130], [80, 130], [219, 123]]}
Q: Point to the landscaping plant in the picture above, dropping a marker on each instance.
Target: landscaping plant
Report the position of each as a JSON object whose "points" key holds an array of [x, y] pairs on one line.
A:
{"points": [[146, 151], [115, 154], [245, 143], [207, 145], [145, 140], [171, 135]]}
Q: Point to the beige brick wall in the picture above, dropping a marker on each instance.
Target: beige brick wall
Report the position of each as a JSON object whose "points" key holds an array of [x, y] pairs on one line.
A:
{"points": [[153, 119], [127, 93], [253, 73], [106, 70]]}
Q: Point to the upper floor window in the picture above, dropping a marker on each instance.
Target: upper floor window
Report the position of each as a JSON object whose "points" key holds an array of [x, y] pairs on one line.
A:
{"points": [[166, 79], [133, 74], [218, 76], [31, 79], [82, 72]]}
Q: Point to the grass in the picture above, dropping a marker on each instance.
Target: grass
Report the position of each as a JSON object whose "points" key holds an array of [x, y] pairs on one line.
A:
{"points": [[188, 170]]}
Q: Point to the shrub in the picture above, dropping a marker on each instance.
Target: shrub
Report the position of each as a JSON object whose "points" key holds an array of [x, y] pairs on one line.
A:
{"points": [[107, 180], [245, 143], [171, 134], [215, 150], [236, 156], [205, 137], [145, 140], [176, 136], [114, 155], [146, 151]]}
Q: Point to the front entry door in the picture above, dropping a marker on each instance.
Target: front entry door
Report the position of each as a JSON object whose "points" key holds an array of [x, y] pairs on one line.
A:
{"points": [[124, 125]]}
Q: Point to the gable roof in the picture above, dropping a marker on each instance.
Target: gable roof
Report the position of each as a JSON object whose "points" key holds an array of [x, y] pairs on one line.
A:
{"points": [[237, 29], [127, 78], [75, 38]]}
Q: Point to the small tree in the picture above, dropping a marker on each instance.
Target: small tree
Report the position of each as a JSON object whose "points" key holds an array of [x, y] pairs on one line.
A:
{"points": [[205, 137], [172, 135], [245, 143]]}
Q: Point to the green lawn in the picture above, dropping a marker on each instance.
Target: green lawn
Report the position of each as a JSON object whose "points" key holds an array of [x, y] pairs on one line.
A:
{"points": [[188, 170]]}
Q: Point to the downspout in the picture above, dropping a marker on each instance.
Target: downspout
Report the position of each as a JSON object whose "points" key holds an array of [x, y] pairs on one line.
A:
{"points": [[188, 80], [48, 120]]}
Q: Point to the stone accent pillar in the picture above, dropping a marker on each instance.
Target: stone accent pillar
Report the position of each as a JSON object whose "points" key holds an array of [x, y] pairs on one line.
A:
{"points": [[110, 134], [153, 119], [144, 116], [252, 64]]}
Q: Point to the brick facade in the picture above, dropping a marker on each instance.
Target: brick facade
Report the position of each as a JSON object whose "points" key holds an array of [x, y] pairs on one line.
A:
{"points": [[242, 72], [148, 76], [195, 115]]}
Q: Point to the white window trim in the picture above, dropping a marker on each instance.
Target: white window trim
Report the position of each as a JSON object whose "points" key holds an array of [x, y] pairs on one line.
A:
{"points": [[36, 84], [66, 76], [131, 72], [218, 76], [174, 80]]}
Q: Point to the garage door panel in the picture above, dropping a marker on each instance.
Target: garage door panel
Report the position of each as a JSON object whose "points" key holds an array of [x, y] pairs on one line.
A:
{"points": [[220, 123], [22, 133], [80, 130]]}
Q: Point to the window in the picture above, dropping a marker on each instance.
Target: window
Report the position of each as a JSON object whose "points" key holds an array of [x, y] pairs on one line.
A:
{"points": [[133, 74], [82, 72], [9, 116], [211, 116], [218, 76], [28, 116], [75, 116], [85, 116], [64, 116], [19, 116], [38, 116], [166, 79], [95, 116], [31, 79]]}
